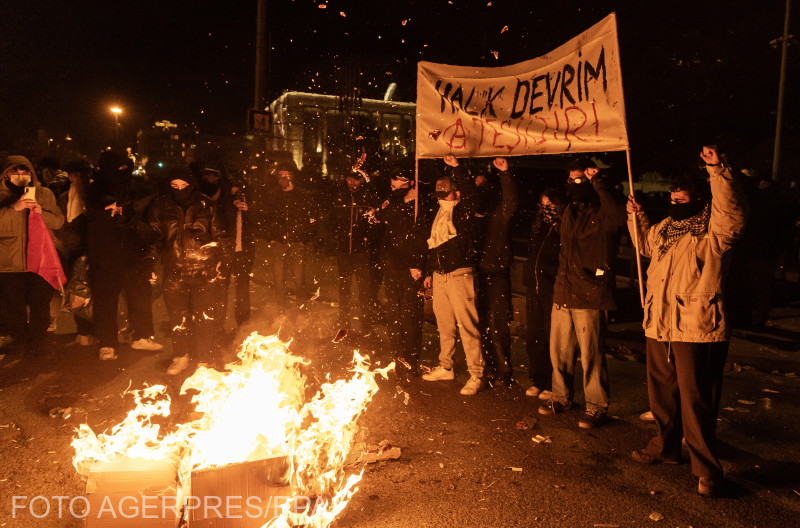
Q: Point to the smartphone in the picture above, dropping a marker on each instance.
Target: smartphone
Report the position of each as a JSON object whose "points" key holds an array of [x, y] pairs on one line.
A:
{"points": [[30, 193]]}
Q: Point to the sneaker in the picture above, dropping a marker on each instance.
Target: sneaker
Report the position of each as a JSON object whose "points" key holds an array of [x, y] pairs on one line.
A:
{"points": [[52, 326], [473, 386], [179, 364], [85, 340], [545, 395], [647, 417], [643, 456], [707, 487], [107, 353], [533, 391], [147, 344], [551, 407], [439, 374], [340, 335], [592, 418]]}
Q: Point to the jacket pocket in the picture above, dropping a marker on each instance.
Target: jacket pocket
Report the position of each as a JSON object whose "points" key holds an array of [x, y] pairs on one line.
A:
{"points": [[697, 312]]}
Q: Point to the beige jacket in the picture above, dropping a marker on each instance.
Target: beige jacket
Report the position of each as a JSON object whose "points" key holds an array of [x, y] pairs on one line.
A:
{"points": [[684, 301], [14, 224]]}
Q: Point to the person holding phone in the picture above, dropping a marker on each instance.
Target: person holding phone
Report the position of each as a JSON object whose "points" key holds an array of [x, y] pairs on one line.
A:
{"points": [[21, 195]]}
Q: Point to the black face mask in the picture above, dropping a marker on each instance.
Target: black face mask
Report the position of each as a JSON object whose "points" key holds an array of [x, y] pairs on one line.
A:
{"points": [[682, 211], [441, 195], [401, 192], [181, 196], [208, 188], [582, 192], [16, 190]]}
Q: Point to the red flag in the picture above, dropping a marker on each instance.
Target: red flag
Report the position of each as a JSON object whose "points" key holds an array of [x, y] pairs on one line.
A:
{"points": [[42, 255]]}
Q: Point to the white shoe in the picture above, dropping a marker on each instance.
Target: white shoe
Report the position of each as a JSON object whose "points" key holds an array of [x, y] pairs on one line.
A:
{"points": [[439, 374], [147, 344], [85, 340], [107, 353], [473, 386], [52, 327], [545, 395], [179, 364], [647, 417], [533, 391]]}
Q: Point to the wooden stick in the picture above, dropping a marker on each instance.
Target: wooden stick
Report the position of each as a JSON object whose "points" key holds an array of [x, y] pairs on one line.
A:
{"points": [[635, 231]]}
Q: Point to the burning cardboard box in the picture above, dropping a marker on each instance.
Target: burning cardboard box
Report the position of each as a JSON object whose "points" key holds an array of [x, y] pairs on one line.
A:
{"points": [[131, 492], [243, 495]]}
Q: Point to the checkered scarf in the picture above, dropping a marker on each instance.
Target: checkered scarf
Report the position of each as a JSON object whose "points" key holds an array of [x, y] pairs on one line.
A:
{"points": [[672, 230]]}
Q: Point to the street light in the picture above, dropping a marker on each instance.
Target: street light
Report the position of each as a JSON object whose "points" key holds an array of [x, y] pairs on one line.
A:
{"points": [[116, 111]]}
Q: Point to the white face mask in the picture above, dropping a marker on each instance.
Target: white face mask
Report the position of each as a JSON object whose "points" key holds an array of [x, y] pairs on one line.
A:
{"points": [[20, 180]]}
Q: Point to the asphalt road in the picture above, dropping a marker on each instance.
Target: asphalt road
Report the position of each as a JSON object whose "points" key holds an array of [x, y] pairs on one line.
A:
{"points": [[457, 451]]}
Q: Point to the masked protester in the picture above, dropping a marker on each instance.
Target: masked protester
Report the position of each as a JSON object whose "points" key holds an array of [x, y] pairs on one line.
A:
{"points": [[497, 203], [116, 256], [685, 321], [452, 258], [539, 276], [290, 233], [22, 290], [402, 257], [356, 251], [582, 292], [72, 237], [185, 229]]}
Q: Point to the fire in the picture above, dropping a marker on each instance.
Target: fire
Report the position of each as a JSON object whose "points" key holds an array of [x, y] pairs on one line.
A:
{"points": [[256, 409]]}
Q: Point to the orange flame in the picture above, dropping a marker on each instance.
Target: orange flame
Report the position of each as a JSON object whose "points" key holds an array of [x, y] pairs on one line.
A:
{"points": [[254, 410]]}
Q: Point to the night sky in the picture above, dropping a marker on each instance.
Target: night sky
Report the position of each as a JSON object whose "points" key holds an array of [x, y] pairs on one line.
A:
{"points": [[691, 70]]}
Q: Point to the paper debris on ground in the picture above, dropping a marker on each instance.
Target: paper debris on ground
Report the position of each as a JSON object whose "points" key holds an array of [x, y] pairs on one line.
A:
{"points": [[539, 439], [512, 468], [655, 516], [527, 423], [382, 451]]}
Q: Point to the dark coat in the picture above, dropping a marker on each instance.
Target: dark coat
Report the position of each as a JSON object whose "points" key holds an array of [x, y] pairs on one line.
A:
{"points": [[291, 216], [191, 239], [496, 254], [541, 268], [587, 252], [460, 251], [352, 232], [403, 242]]}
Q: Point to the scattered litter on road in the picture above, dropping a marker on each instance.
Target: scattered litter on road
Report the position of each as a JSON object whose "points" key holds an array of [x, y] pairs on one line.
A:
{"points": [[382, 451], [796, 492], [441, 466], [539, 439], [512, 468], [492, 484], [527, 423], [424, 393], [771, 391], [746, 402], [60, 412], [655, 516], [605, 525], [498, 420]]}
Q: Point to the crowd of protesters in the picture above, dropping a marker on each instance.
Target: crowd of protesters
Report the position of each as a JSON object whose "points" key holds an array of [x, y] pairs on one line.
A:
{"points": [[113, 233]]}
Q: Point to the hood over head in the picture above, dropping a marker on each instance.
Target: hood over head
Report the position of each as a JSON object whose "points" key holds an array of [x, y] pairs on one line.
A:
{"points": [[12, 161]]}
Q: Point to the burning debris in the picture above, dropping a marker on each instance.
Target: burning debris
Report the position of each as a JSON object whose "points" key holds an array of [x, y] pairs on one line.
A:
{"points": [[254, 414]]}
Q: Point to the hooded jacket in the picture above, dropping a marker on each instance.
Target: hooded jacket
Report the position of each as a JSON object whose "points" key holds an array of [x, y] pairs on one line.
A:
{"points": [[684, 300], [587, 251], [14, 224]]}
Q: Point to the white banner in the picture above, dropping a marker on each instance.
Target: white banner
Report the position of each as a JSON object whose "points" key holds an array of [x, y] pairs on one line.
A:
{"points": [[569, 100]]}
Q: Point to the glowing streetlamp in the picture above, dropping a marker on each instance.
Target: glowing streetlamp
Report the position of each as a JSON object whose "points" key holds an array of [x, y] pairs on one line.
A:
{"points": [[116, 111]]}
